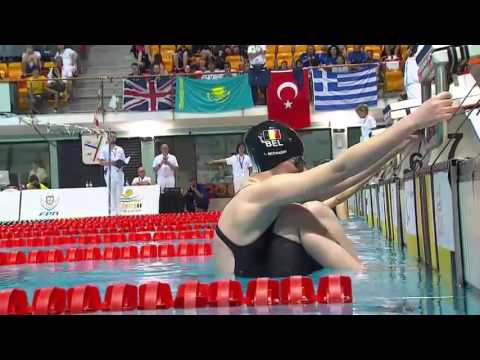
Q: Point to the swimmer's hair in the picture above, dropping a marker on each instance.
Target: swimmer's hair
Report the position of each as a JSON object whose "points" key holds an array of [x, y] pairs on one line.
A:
{"points": [[362, 107]]}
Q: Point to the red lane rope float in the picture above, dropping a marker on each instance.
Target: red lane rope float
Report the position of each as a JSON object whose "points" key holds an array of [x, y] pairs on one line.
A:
{"points": [[108, 238], [155, 295], [108, 253], [295, 290], [335, 289], [82, 299], [192, 294], [85, 225]]}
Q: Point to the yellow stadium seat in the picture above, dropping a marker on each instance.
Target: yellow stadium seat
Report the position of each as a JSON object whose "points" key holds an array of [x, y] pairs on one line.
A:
{"points": [[271, 49], [14, 71], [168, 47], [297, 55], [393, 80], [4, 69], [300, 48], [284, 49], [167, 55], [281, 57], [319, 48], [168, 65], [48, 65], [270, 58], [235, 61]]}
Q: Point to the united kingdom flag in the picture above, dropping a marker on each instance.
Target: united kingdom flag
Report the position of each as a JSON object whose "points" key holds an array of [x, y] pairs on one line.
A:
{"points": [[149, 94]]}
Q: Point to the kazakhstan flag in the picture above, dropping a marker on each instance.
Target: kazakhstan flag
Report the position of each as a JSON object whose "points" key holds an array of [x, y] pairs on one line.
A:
{"points": [[202, 96]]}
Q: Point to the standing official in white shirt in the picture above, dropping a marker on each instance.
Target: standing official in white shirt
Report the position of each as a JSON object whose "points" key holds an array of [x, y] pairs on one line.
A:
{"points": [[241, 166], [117, 177], [165, 165]]}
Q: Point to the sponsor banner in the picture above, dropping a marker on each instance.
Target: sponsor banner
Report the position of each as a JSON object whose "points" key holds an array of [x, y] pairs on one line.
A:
{"points": [[63, 203], [71, 203], [9, 205], [140, 200]]}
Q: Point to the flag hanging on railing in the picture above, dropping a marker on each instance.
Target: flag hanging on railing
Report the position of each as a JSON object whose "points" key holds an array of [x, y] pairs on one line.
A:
{"points": [[345, 90], [203, 96], [149, 94], [288, 98]]}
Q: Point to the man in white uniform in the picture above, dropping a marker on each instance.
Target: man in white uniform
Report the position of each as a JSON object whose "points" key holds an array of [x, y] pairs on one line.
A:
{"points": [[165, 165], [241, 166], [117, 177]]}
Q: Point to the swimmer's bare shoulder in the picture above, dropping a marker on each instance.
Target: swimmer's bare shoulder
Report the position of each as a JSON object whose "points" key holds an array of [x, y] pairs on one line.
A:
{"points": [[243, 221]]}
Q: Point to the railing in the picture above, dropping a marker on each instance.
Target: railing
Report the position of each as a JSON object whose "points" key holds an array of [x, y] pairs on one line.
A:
{"points": [[94, 93]]}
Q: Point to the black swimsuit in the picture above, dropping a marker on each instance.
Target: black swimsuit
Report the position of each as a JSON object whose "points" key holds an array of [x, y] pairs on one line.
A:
{"points": [[270, 255]]}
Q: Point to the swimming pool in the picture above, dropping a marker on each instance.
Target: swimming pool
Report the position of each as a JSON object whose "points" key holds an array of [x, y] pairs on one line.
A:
{"points": [[393, 284]]}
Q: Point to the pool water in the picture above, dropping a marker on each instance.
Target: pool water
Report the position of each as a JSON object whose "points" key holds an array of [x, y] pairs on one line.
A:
{"points": [[393, 283]]}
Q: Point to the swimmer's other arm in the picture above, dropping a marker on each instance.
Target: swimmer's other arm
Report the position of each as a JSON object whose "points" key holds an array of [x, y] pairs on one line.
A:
{"points": [[354, 183]]}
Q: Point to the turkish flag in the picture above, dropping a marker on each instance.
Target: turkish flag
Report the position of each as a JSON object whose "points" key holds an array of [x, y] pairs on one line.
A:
{"points": [[288, 98]]}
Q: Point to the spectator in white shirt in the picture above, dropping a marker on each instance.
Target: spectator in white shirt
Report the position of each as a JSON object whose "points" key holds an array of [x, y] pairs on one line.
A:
{"points": [[165, 165], [69, 65], [367, 121], [241, 166], [69, 60], [410, 77], [258, 75], [141, 179]]}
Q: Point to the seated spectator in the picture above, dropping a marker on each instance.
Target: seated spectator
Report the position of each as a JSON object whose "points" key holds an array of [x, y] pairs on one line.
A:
{"points": [[38, 171], [340, 61], [283, 65], [196, 197], [227, 72], [391, 52], [181, 58], [332, 53], [212, 73], [310, 57], [30, 60], [370, 58], [141, 179], [35, 184], [357, 56], [135, 74], [152, 52], [54, 78], [258, 75], [159, 70], [38, 91]]}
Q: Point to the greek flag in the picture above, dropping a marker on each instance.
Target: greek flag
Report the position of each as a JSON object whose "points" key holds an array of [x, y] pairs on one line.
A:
{"points": [[346, 90]]}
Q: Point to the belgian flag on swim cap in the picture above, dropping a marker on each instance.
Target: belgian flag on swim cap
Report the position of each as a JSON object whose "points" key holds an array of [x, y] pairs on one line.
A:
{"points": [[271, 143]]}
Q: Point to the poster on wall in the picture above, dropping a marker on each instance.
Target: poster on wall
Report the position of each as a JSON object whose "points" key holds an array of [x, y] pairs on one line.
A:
{"points": [[443, 211], [410, 221], [91, 146]]}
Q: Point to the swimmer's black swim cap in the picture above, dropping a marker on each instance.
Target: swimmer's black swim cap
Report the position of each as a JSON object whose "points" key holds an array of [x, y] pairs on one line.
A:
{"points": [[271, 143]]}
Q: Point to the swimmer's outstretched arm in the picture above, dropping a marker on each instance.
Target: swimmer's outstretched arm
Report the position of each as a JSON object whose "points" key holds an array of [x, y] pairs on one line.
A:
{"points": [[319, 183]]}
